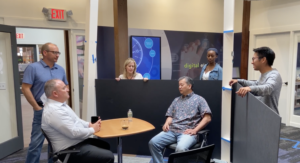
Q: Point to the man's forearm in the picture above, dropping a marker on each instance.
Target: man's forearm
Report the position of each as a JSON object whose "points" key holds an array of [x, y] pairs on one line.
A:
{"points": [[203, 123], [169, 120], [29, 97]]}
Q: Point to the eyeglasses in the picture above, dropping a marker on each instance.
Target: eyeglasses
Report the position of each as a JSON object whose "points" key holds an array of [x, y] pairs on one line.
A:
{"points": [[54, 52], [253, 58]]}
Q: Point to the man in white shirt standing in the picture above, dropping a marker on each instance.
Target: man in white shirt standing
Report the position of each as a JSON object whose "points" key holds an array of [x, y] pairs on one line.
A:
{"points": [[66, 130]]}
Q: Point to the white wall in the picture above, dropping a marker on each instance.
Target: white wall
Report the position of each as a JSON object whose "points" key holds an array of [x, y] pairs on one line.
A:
{"points": [[178, 15], [8, 125], [275, 23], [42, 36], [28, 13]]}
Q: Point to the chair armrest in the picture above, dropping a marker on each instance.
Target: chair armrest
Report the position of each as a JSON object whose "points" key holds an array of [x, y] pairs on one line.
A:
{"points": [[67, 151], [203, 132]]}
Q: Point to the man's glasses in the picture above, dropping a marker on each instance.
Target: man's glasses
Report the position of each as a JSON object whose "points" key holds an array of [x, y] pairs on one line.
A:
{"points": [[54, 52], [253, 58]]}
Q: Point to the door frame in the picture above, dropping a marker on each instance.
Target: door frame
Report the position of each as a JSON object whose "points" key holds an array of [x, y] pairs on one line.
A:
{"points": [[16, 143], [74, 69]]}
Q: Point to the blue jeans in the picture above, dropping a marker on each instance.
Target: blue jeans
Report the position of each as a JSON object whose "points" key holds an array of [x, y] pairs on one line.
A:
{"points": [[37, 139], [161, 140]]}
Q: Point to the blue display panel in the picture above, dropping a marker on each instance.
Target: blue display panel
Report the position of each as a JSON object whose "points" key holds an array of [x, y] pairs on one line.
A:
{"points": [[146, 51]]}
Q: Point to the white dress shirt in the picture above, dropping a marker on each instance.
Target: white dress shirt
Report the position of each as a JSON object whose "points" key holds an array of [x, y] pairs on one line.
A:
{"points": [[63, 127]]}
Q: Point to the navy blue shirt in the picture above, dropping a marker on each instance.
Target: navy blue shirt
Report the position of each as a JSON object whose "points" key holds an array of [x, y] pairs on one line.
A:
{"points": [[38, 73]]}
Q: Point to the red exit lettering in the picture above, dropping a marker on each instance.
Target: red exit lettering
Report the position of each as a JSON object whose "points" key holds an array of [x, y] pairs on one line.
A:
{"points": [[20, 35], [57, 14]]}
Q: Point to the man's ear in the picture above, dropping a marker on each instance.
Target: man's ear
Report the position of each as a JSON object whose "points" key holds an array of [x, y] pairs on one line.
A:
{"points": [[54, 94]]}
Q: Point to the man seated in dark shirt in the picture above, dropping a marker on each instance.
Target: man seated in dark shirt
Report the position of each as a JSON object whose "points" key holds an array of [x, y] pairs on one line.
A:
{"points": [[188, 114]]}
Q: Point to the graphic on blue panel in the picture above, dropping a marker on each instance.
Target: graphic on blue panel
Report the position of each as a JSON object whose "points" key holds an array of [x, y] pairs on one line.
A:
{"points": [[152, 53], [146, 75], [148, 43], [137, 51], [146, 52]]}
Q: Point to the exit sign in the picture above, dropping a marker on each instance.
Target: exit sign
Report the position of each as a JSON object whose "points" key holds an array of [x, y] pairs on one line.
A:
{"points": [[20, 35], [57, 14]]}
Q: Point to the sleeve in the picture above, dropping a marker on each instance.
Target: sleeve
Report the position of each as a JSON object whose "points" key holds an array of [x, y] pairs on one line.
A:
{"points": [[64, 79], [29, 75], [220, 73], [170, 110], [266, 89], [63, 123], [203, 107], [245, 83]]}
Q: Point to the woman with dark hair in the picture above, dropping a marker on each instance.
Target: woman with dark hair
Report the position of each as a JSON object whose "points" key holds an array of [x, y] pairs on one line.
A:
{"points": [[211, 70]]}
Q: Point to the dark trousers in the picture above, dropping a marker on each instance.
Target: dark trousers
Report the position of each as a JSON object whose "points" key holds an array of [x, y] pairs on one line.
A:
{"points": [[91, 150]]}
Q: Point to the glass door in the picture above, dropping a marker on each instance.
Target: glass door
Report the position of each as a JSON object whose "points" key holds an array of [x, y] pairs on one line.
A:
{"points": [[26, 55], [11, 137]]}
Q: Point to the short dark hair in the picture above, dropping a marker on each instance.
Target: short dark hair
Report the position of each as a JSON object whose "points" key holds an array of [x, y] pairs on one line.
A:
{"points": [[213, 49], [265, 52], [188, 81]]}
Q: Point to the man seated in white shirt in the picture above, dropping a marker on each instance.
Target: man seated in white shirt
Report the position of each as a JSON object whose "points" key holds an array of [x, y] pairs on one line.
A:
{"points": [[66, 130]]}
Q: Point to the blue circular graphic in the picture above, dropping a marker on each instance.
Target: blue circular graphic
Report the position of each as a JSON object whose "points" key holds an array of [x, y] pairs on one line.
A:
{"points": [[152, 53], [147, 75], [137, 52], [148, 43], [154, 72]]}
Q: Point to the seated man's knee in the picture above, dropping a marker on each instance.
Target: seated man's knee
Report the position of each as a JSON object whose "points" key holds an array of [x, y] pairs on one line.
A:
{"points": [[181, 148], [151, 143]]}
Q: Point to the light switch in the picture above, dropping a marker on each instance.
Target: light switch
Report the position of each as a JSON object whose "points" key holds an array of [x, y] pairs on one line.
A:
{"points": [[2, 86]]}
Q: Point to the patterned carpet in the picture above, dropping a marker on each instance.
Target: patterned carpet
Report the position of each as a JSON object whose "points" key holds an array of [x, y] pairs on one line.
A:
{"points": [[289, 150]]}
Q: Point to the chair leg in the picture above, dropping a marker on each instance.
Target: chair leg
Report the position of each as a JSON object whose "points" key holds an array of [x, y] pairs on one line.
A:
{"points": [[204, 142], [67, 158]]}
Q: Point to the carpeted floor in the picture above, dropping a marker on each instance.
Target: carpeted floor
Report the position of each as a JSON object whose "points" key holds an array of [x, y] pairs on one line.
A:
{"points": [[289, 150]]}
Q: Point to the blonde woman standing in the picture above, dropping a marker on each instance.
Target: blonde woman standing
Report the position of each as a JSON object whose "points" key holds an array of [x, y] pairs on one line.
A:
{"points": [[130, 71]]}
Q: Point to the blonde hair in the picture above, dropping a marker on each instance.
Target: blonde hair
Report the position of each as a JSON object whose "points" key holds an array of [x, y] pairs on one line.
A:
{"points": [[127, 61]]}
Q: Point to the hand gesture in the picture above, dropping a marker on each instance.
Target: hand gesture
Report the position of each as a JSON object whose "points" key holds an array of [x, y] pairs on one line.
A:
{"points": [[118, 79], [166, 127], [96, 126], [243, 91], [145, 79], [231, 82], [190, 132]]}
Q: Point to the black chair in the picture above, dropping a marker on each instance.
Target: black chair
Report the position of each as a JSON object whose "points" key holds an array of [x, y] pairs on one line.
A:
{"points": [[54, 156], [198, 155], [202, 133]]}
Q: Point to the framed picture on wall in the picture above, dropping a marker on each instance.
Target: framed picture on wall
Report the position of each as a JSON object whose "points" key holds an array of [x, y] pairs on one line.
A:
{"points": [[146, 51]]}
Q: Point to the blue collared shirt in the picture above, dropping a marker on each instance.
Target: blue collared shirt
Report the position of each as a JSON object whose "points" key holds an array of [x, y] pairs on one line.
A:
{"points": [[38, 73], [187, 112], [215, 74]]}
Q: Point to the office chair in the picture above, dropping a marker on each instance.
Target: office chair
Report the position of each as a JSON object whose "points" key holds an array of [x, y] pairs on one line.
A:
{"points": [[198, 155], [203, 133], [54, 156]]}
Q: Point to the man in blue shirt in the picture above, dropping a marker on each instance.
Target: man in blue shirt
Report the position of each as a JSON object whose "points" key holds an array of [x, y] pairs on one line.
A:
{"points": [[35, 77]]}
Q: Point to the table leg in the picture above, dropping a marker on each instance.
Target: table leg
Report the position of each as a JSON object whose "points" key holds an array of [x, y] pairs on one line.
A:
{"points": [[120, 158]]}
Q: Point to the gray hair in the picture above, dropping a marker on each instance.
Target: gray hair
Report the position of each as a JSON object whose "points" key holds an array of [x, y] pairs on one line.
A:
{"points": [[188, 80], [49, 87]]}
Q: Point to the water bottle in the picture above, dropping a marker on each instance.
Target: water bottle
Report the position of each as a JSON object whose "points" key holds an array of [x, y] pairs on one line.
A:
{"points": [[129, 115]]}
